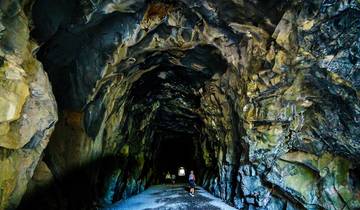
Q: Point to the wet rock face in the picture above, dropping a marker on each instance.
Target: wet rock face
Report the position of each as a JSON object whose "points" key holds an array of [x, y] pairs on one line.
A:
{"points": [[264, 94]]}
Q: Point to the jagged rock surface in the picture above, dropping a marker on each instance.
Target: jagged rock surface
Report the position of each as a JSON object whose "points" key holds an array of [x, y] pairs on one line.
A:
{"points": [[27, 106]]}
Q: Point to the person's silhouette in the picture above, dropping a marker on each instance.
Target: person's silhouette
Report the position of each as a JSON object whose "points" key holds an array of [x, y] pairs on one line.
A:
{"points": [[192, 183]]}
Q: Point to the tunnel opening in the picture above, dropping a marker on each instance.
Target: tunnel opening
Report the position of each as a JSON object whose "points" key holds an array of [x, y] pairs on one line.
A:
{"points": [[142, 108], [175, 150], [160, 131], [140, 104], [172, 91]]}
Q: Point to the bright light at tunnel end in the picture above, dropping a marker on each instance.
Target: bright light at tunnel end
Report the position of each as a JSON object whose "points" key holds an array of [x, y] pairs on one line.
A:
{"points": [[181, 171]]}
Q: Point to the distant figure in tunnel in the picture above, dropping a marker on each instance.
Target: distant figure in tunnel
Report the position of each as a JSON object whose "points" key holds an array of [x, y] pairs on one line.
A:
{"points": [[192, 183], [173, 178], [168, 178]]}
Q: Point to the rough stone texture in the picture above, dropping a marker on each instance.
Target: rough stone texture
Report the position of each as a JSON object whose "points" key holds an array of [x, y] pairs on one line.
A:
{"points": [[266, 93], [27, 105]]}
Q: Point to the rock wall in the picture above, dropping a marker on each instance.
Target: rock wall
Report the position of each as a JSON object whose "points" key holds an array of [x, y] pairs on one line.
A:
{"points": [[27, 106], [297, 103]]}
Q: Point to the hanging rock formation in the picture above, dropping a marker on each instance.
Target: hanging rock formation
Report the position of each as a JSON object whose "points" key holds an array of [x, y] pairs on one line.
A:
{"points": [[261, 98]]}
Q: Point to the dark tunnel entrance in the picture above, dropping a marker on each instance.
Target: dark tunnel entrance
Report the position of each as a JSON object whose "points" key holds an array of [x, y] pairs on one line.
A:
{"points": [[155, 124], [175, 150], [143, 111], [169, 95], [151, 120]]}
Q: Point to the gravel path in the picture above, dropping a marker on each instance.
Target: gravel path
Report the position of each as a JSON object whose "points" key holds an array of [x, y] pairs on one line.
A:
{"points": [[171, 197]]}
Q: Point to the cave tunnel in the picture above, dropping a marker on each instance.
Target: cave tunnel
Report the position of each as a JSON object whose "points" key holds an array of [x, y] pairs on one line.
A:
{"points": [[175, 150], [99, 99]]}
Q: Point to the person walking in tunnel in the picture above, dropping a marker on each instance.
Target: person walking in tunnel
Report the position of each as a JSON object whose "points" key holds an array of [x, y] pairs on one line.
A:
{"points": [[168, 178], [192, 183], [173, 178]]}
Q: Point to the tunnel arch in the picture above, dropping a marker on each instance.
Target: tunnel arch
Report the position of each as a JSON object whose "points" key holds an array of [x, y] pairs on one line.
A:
{"points": [[172, 93]]}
